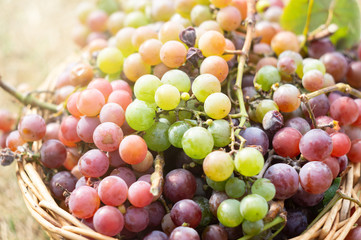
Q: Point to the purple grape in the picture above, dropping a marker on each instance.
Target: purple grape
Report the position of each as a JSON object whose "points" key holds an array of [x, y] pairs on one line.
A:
{"points": [[184, 233], [126, 174], [52, 153], [62, 181], [256, 136], [214, 232], [136, 219], [305, 199], [298, 123], [156, 235], [179, 184], [319, 105], [156, 212], [316, 145], [186, 211], [296, 223]]}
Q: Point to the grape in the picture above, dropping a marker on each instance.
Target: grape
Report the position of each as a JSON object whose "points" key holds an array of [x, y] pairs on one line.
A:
{"points": [[299, 124], [335, 64], [121, 85], [256, 136], [115, 22], [139, 115], [252, 228], [217, 105], [108, 220], [215, 200], [199, 14], [197, 142], [126, 174], [14, 140], [71, 104], [212, 43], [113, 191], [173, 54], [52, 153], [111, 112], [315, 177], [286, 65], [341, 144], [136, 219], [134, 67], [84, 202], [183, 7], [253, 207], [149, 51], [90, 102], [267, 61], [354, 155], [102, 85], [179, 184], [319, 47], [328, 80], [123, 41], [97, 45], [157, 212], [60, 182], [133, 149], [72, 158], [176, 132], [313, 64], [333, 165], [262, 49], [305, 199], [267, 76], [170, 31], [228, 213], [286, 142], [266, 31], [343, 162], [156, 235], [97, 21], [230, 47], [162, 10], [143, 34], [81, 74], [167, 224], [313, 80], [32, 127], [284, 178], [110, 60], [287, 98], [283, 41], [273, 13], [319, 105], [145, 87], [218, 166], [235, 187], [85, 128], [64, 141], [83, 10], [229, 18], [264, 188], [94, 163], [272, 122], [218, 186], [204, 85], [178, 79], [358, 121], [214, 232], [210, 25], [207, 66], [139, 194], [135, 19], [297, 223], [206, 212], [186, 211], [344, 110], [184, 233], [144, 165], [316, 145], [156, 137], [107, 136], [120, 97], [353, 74], [167, 97], [68, 129], [354, 234], [265, 106], [221, 3], [221, 132], [297, 58], [249, 161]]}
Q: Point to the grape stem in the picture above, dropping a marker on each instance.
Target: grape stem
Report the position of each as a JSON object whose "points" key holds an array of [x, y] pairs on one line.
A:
{"points": [[305, 99], [156, 178], [307, 25], [27, 99]]}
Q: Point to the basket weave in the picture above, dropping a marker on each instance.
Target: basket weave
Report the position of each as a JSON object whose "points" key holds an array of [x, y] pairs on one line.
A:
{"points": [[59, 224]]}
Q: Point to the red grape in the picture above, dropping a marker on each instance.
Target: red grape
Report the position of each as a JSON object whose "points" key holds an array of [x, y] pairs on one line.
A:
{"points": [[286, 142], [136, 219], [68, 129], [108, 220], [341, 144], [315, 177], [60, 182], [344, 110], [186, 211], [52, 153], [333, 165], [85, 128], [93, 163], [107, 136], [316, 145], [113, 191], [354, 155], [179, 184], [139, 194], [84, 202], [126, 174], [133, 149]]}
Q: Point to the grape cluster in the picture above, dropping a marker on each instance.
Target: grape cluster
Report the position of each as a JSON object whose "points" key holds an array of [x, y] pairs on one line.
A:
{"points": [[158, 84]]}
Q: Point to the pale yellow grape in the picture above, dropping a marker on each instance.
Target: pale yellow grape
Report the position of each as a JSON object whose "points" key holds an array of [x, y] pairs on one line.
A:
{"points": [[218, 166], [204, 85], [150, 51], [173, 54], [145, 87], [162, 10], [110, 60], [135, 19], [212, 43], [229, 18], [211, 25], [123, 41], [217, 105], [170, 31], [220, 71], [200, 13], [184, 7], [115, 22], [83, 10], [167, 97], [134, 67], [142, 34], [185, 22]]}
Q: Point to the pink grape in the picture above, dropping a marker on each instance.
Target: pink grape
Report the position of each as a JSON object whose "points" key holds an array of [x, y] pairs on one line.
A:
{"points": [[14, 140], [126, 174], [121, 97], [86, 127], [286, 142], [93, 163], [115, 159], [121, 85], [341, 144], [112, 112], [133, 149], [333, 165], [32, 128], [71, 105], [344, 110], [316, 145], [68, 129], [139, 194], [84, 202], [113, 191], [90, 102], [136, 219], [107, 136], [108, 220], [315, 177], [102, 85], [52, 153]]}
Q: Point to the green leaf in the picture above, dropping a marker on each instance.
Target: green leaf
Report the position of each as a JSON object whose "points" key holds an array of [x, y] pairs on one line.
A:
{"points": [[330, 193], [346, 15]]}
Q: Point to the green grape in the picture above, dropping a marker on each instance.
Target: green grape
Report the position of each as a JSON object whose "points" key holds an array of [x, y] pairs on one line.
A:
{"points": [[176, 132], [235, 187], [253, 207], [267, 76], [297, 58], [145, 87], [264, 188], [207, 215], [169, 115], [139, 115], [228, 213], [221, 132], [108, 6], [218, 166], [204, 85], [135, 19], [263, 107], [262, 5], [192, 104], [252, 228], [197, 142], [313, 64], [178, 79], [249, 161], [156, 137], [167, 97], [110, 60], [217, 186], [200, 13], [217, 105]]}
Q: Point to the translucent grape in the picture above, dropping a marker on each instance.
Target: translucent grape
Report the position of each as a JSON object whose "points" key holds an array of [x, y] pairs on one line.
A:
{"points": [[133, 149], [249, 161], [97, 21], [115, 22], [112, 112], [145, 87], [228, 213], [32, 127], [68, 129], [316, 145], [149, 51], [167, 97], [221, 71], [170, 31], [253, 207], [264, 188], [353, 74], [315, 177], [120, 97], [139, 194], [235, 187], [344, 110], [313, 80], [94, 163], [110, 60], [108, 220], [204, 85], [218, 166], [123, 41], [299, 124], [313, 64], [134, 67], [135, 19], [85, 128], [81, 74], [229, 18], [178, 79], [71, 105], [90, 102], [84, 202], [354, 155], [212, 43], [217, 105], [265, 106], [113, 191], [287, 98], [199, 14], [221, 132], [173, 54], [267, 76], [266, 31], [143, 34], [283, 41], [156, 137], [286, 142], [107, 136], [176, 132], [197, 142], [144, 165], [305, 199], [156, 235], [341, 144], [335, 64], [252, 228], [102, 85], [139, 115], [220, 3], [333, 165], [121, 85]]}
